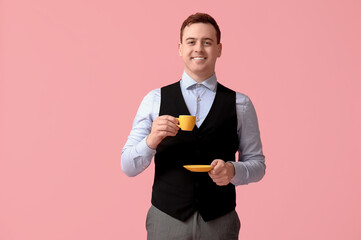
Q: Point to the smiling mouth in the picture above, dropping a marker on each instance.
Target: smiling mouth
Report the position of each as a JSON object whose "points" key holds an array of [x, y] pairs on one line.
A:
{"points": [[199, 58]]}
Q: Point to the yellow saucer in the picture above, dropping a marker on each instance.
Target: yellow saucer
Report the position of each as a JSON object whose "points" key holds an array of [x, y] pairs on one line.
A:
{"points": [[198, 168]]}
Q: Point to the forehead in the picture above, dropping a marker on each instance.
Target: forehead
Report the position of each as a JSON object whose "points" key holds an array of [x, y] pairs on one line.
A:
{"points": [[200, 31]]}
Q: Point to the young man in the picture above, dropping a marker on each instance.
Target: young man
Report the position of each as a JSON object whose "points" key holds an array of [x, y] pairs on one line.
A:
{"points": [[188, 205]]}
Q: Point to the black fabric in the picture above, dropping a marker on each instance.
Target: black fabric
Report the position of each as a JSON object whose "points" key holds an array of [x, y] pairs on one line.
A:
{"points": [[179, 192]]}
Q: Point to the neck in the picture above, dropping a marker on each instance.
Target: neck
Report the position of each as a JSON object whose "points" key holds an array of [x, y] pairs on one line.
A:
{"points": [[199, 77]]}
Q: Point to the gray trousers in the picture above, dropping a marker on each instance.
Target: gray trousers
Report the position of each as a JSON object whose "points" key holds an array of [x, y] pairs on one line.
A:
{"points": [[161, 226]]}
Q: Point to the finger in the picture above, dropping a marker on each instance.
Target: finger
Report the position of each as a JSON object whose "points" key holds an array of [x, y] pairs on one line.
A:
{"points": [[218, 166], [163, 124], [221, 181], [166, 128], [214, 164], [166, 122], [169, 118], [162, 131], [164, 134], [217, 177]]}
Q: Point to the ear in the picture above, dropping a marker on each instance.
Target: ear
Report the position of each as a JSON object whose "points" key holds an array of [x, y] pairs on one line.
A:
{"points": [[219, 49], [180, 49]]}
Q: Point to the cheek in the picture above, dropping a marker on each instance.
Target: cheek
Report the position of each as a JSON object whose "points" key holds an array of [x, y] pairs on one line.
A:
{"points": [[186, 56], [216, 53], [186, 51]]}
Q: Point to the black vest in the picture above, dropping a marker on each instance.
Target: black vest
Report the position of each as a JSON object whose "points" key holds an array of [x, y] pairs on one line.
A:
{"points": [[179, 192]]}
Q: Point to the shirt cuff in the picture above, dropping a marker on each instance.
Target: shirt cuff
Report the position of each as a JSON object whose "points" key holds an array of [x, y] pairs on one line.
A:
{"points": [[240, 174], [144, 149]]}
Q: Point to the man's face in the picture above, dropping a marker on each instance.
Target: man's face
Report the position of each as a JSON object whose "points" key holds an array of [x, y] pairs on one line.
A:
{"points": [[199, 50]]}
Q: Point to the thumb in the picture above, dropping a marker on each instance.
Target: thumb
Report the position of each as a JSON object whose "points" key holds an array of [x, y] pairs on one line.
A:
{"points": [[214, 163]]}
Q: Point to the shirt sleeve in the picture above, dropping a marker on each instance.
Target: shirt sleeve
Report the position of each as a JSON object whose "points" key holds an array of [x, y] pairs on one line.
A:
{"points": [[136, 155], [250, 166]]}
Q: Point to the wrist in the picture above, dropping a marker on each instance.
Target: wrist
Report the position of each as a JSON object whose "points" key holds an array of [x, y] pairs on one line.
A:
{"points": [[231, 169], [149, 143]]}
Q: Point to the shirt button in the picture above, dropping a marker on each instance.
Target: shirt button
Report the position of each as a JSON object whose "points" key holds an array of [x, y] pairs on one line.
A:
{"points": [[199, 99], [197, 119], [198, 85]]}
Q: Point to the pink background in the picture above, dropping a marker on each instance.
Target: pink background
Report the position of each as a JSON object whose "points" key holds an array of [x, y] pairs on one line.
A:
{"points": [[73, 74]]}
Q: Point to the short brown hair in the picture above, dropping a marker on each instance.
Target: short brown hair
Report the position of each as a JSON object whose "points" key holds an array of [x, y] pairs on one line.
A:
{"points": [[201, 18]]}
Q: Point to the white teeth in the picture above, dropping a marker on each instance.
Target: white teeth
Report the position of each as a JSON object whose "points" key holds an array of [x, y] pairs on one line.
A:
{"points": [[198, 58]]}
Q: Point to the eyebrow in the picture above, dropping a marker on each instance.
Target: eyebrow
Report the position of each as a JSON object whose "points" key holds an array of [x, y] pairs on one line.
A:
{"points": [[190, 38]]}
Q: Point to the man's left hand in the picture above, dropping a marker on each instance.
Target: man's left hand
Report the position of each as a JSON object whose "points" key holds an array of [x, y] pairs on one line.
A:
{"points": [[222, 173]]}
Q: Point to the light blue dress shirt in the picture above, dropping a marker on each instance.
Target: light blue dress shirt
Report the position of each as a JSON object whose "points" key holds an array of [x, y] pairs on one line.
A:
{"points": [[199, 97]]}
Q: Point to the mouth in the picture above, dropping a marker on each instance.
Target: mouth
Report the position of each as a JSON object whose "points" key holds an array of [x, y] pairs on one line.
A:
{"points": [[199, 58]]}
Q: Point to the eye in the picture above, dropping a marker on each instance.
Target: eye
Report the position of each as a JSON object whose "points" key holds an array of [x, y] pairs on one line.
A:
{"points": [[191, 42], [207, 43]]}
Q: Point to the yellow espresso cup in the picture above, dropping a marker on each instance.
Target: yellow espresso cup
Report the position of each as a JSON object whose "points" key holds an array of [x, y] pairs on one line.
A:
{"points": [[186, 122]]}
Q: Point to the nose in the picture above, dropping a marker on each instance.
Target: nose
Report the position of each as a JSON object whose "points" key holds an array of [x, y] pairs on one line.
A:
{"points": [[198, 47]]}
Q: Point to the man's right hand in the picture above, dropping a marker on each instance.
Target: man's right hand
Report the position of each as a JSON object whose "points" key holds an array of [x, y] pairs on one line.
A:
{"points": [[163, 126]]}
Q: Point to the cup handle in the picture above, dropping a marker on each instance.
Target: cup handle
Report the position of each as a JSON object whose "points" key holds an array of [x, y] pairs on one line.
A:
{"points": [[178, 124]]}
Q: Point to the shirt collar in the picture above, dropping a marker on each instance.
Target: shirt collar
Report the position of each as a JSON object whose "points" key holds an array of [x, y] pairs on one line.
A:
{"points": [[210, 83]]}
